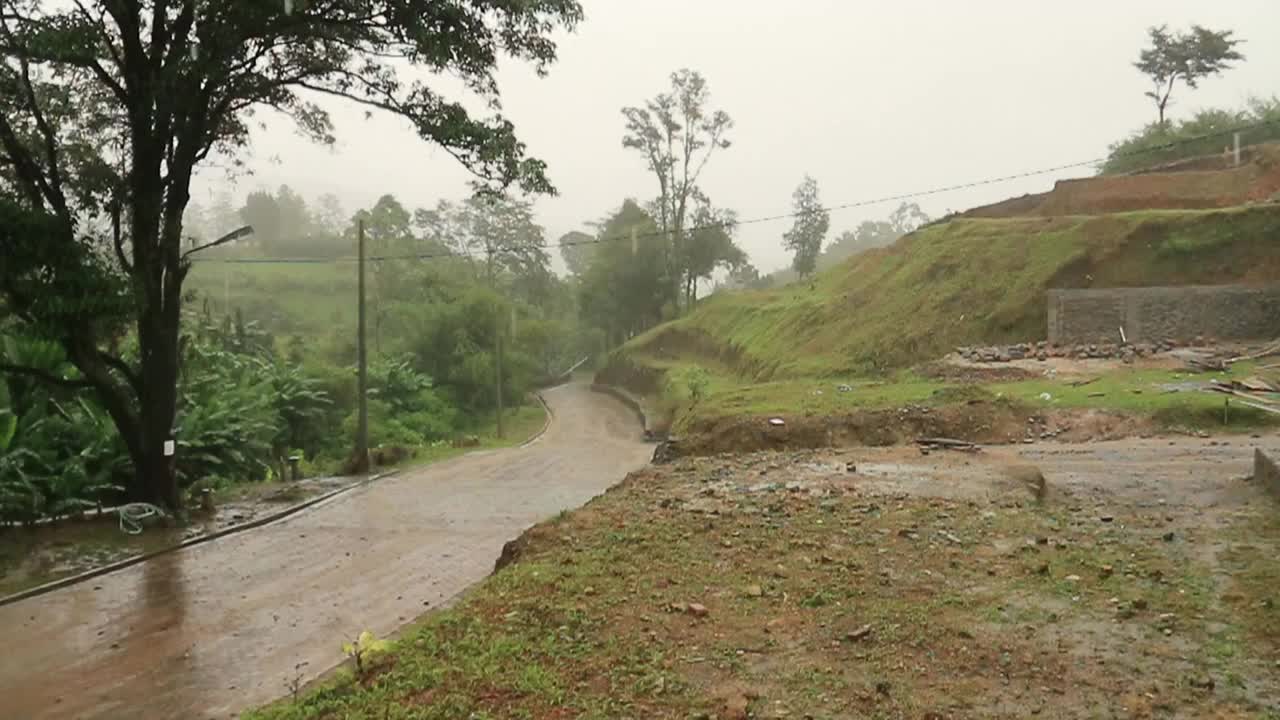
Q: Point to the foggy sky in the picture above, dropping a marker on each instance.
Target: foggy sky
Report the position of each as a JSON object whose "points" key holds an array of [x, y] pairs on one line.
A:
{"points": [[871, 98]]}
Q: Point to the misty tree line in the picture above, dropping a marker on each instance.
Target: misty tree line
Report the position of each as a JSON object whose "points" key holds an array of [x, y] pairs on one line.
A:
{"points": [[108, 113]]}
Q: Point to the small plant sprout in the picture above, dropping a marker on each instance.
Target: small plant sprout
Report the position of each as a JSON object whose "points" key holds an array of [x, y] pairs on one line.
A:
{"points": [[364, 648]]}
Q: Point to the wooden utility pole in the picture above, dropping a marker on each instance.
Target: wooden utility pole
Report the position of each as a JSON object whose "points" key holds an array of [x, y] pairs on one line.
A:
{"points": [[361, 464], [497, 340], [497, 327]]}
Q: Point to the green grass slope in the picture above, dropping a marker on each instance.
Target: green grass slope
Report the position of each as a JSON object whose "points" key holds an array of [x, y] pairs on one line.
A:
{"points": [[967, 281]]}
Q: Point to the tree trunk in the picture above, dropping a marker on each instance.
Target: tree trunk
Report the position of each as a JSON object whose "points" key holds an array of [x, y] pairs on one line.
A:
{"points": [[156, 234], [157, 410]]}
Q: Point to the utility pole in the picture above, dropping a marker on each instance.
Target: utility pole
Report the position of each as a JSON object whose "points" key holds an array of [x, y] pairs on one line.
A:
{"points": [[497, 342], [362, 365]]}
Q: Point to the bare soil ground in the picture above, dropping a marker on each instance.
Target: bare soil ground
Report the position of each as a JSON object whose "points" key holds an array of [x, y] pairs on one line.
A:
{"points": [[979, 420], [871, 582]]}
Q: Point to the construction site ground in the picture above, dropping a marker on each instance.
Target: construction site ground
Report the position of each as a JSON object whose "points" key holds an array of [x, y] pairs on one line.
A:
{"points": [[1139, 581]]}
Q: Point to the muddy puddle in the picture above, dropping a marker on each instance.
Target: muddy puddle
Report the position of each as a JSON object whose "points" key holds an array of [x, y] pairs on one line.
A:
{"points": [[30, 557]]}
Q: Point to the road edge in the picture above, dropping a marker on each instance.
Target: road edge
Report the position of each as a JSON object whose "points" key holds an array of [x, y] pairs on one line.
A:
{"points": [[546, 423], [231, 530], [626, 399]]}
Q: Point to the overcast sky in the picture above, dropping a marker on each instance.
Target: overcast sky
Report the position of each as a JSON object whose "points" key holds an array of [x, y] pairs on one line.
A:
{"points": [[870, 98]]}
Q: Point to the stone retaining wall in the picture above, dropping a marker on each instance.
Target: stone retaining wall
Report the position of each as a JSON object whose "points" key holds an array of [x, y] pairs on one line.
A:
{"points": [[1154, 314]]}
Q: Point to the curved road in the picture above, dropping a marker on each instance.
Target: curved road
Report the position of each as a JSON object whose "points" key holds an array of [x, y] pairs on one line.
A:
{"points": [[211, 630]]}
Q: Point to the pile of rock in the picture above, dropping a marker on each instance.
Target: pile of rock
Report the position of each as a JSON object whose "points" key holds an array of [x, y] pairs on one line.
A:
{"points": [[1043, 351]]}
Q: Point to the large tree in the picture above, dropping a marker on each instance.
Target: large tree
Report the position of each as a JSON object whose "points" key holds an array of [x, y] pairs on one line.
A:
{"points": [[387, 231], [677, 133], [261, 211], [500, 234], [1187, 57], [107, 107], [710, 247], [623, 289], [576, 248], [809, 229], [906, 218]]}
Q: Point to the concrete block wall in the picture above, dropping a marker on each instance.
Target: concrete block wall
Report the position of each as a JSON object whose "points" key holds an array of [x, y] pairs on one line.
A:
{"points": [[1265, 472], [1151, 314]]}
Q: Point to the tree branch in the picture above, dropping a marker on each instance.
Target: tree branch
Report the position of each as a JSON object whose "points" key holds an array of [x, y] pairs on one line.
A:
{"points": [[392, 107], [117, 239], [28, 171], [44, 376], [93, 63], [56, 196], [122, 367]]}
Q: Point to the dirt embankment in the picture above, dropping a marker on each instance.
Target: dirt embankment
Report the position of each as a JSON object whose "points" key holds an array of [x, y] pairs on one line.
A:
{"points": [[988, 422], [644, 373], [1201, 184]]}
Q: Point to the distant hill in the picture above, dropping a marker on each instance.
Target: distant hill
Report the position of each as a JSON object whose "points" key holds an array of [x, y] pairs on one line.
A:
{"points": [[965, 281], [982, 276]]}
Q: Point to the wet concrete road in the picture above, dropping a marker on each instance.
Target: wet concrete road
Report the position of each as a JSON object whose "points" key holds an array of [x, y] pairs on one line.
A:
{"points": [[209, 631]]}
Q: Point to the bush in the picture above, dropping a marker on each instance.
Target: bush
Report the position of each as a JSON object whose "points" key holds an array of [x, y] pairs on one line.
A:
{"points": [[1162, 144], [59, 453], [690, 383]]}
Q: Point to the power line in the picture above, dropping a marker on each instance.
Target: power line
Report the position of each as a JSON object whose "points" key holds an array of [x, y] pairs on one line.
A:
{"points": [[784, 216]]}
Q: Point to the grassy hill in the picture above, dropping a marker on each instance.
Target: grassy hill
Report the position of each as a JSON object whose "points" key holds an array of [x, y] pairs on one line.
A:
{"points": [[308, 299], [966, 281]]}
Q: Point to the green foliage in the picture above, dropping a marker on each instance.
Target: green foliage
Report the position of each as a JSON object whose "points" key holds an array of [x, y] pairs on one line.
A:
{"points": [[677, 132], [869, 234], [366, 648], [96, 234], [1184, 57], [1205, 133], [404, 410], [59, 453], [302, 408], [710, 245], [576, 248], [810, 229], [57, 458], [226, 419], [624, 289], [690, 382]]}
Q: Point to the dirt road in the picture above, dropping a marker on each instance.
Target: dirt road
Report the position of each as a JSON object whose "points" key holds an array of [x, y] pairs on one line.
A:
{"points": [[211, 630]]}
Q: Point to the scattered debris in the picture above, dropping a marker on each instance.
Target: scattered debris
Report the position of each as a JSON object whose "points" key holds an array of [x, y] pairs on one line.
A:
{"points": [[861, 633], [948, 444], [1254, 383], [1250, 393], [1267, 351], [1043, 350]]}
